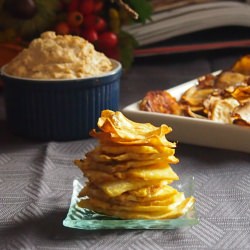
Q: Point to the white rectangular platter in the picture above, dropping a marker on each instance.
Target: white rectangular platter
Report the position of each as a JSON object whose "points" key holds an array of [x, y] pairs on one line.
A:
{"points": [[192, 130]]}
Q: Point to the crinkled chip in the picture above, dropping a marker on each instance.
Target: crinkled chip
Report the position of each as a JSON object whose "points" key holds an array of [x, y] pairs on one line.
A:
{"points": [[98, 156], [116, 128], [195, 96], [160, 101], [209, 103], [228, 79], [175, 210], [241, 114], [222, 110], [159, 192], [206, 81], [192, 113], [115, 188], [242, 65], [242, 94], [121, 149], [241, 122], [149, 173], [122, 166]]}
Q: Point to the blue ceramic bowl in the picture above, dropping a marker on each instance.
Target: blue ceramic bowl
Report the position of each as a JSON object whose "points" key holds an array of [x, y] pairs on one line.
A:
{"points": [[59, 110]]}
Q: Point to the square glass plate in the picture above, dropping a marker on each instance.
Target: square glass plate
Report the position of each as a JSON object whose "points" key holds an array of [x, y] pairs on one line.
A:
{"points": [[88, 220], [200, 131]]}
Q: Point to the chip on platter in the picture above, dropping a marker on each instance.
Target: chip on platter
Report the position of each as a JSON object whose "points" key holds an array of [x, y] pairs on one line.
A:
{"points": [[209, 97]]}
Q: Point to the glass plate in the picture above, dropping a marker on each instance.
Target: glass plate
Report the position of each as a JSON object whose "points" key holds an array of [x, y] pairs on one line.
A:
{"points": [[81, 218]]}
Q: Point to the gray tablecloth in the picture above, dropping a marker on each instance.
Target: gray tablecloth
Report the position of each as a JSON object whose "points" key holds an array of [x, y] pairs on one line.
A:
{"points": [[36, 183]]}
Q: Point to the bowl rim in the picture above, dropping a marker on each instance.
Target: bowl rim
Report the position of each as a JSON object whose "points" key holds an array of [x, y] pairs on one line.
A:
{"points": [[117, 66]]}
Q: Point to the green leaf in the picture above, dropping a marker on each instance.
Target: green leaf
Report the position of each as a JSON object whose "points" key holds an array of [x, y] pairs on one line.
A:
{"points": [[127, 46], [143, 8]]}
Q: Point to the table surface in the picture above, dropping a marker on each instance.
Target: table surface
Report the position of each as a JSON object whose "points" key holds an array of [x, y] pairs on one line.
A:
{"points": [[36, 178]]}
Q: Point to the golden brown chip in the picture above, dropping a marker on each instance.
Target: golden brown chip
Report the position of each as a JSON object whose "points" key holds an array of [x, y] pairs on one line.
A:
{"points": [[242, 65], [98, 177], [222, 110], [160, 101], [158, 212], [191, 112], [242, 94], [209, 103], [159, 192], [227, 79], [121, 149], [116, 128], [149, 173], [241, 122], [195, 96], [133, 207], [170, 199], [206, 81], [116, 124], [123, 166], [104, 158], [241, 114], [115, 188]]}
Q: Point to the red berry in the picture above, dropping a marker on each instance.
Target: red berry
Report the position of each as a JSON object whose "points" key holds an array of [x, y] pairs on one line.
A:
{"points": [[90, 35], [98, 6], [107, 40], [62, 28], [74, 18], [100, 24], [87, 7], [95, 22]]}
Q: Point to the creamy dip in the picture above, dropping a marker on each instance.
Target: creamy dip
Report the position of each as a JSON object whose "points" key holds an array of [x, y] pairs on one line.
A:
{"points": [[59, 57]]}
